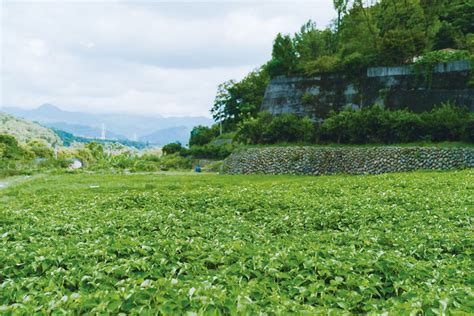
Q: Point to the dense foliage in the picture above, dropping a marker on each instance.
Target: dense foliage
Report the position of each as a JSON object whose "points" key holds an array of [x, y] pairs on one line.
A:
{"points": [[370, 125], [37, 156], [172, 148], [147, 244], [16, 158], [384, 33], [238, 100]]}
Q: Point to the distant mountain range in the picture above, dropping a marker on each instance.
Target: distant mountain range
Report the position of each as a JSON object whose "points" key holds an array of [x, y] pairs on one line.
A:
{"points": [[163, 136], [158, 130]]}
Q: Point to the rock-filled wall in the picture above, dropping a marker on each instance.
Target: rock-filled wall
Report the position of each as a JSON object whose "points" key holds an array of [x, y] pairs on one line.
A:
{"points": [[395, 87], [350, 160]]}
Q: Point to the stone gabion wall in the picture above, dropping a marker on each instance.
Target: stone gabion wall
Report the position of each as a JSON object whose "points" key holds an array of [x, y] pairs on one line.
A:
{"points": [[326, 161]]}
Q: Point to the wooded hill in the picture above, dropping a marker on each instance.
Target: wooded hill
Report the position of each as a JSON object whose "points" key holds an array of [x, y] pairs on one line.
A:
{"points": [[386, 33]]}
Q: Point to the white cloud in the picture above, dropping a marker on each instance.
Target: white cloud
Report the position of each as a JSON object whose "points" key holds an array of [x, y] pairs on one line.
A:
{"points": [[152, 57]]}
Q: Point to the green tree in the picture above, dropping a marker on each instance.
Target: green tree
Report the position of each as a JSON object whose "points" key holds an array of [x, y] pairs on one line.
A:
{"points": [[253, 129], [10, 147], [237, 100], [460, 14], [356, 38], [172, 148], [202, 135], [445, 37], [284, 58]]}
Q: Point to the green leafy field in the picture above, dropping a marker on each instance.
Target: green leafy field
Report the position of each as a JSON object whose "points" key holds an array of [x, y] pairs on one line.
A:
{"points": [[214, 244]]}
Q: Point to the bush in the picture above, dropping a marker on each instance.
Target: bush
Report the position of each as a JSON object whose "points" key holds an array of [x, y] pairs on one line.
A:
{"points": [[211, 151], [269, 129], [406, 127], [202, 135], [288, 128], [145, 165], [172, 148], [323, 64], [468, 134], [40, 148], [11, 149], [252, 130], [175, 162], [375, 124], [96, 149], [355, 64], [446, 122]]}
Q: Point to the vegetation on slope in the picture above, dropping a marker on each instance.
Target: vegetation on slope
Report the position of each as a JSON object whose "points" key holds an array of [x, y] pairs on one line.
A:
{"points": [[396, 243], [26, 131], [69, 139]]}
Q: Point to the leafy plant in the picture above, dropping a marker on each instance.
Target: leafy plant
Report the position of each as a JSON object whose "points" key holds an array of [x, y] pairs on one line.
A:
{"points": [[144, 244]]}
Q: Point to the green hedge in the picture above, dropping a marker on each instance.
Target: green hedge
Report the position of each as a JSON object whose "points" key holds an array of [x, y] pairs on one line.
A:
{"points": [[370, 125]]}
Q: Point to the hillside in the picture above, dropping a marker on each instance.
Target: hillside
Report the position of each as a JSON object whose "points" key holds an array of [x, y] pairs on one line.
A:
{"points": [[68, 139], [24, 130]]}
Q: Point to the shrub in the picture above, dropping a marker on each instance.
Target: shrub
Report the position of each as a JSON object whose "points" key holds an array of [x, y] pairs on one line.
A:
{"points": [[202, 135], [252, 130], [336, 127], [323, 64], [289, 128], [446, 122], [211, 151], [85, 156], [40, 148], [96, 149], [355, 64], [406, 127], [175, 162], [172, 148], [269, 129], [11, 148], [468, 133], [377, 125], [145, 165]]}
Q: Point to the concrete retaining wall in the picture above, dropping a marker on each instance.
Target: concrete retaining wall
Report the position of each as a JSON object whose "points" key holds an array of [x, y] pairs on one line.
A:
{"points": [[392, 87]]}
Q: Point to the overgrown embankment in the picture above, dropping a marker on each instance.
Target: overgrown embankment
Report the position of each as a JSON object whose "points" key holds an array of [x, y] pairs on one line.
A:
{"points": [[324, 161]]}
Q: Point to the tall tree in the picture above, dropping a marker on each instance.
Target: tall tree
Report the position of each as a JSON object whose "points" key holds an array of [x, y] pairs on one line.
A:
{"points": [[236, 100], [284, 57]]}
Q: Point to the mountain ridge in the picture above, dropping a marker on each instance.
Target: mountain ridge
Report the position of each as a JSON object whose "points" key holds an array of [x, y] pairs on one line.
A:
{"points": [[158, 129]]}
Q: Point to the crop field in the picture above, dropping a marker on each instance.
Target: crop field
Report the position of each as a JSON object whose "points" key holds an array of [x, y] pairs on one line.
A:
{"points": [[210, 244]]}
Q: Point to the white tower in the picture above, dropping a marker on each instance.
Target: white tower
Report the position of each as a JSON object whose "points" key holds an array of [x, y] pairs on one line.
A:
{"points": [[102, 135]]}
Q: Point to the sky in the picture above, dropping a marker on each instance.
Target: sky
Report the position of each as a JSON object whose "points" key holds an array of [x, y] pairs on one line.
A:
{"points": [[140, 57]]}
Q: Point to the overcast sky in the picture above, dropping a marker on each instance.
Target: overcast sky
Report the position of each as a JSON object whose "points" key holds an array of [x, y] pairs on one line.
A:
{"points": [[143, 57]]}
